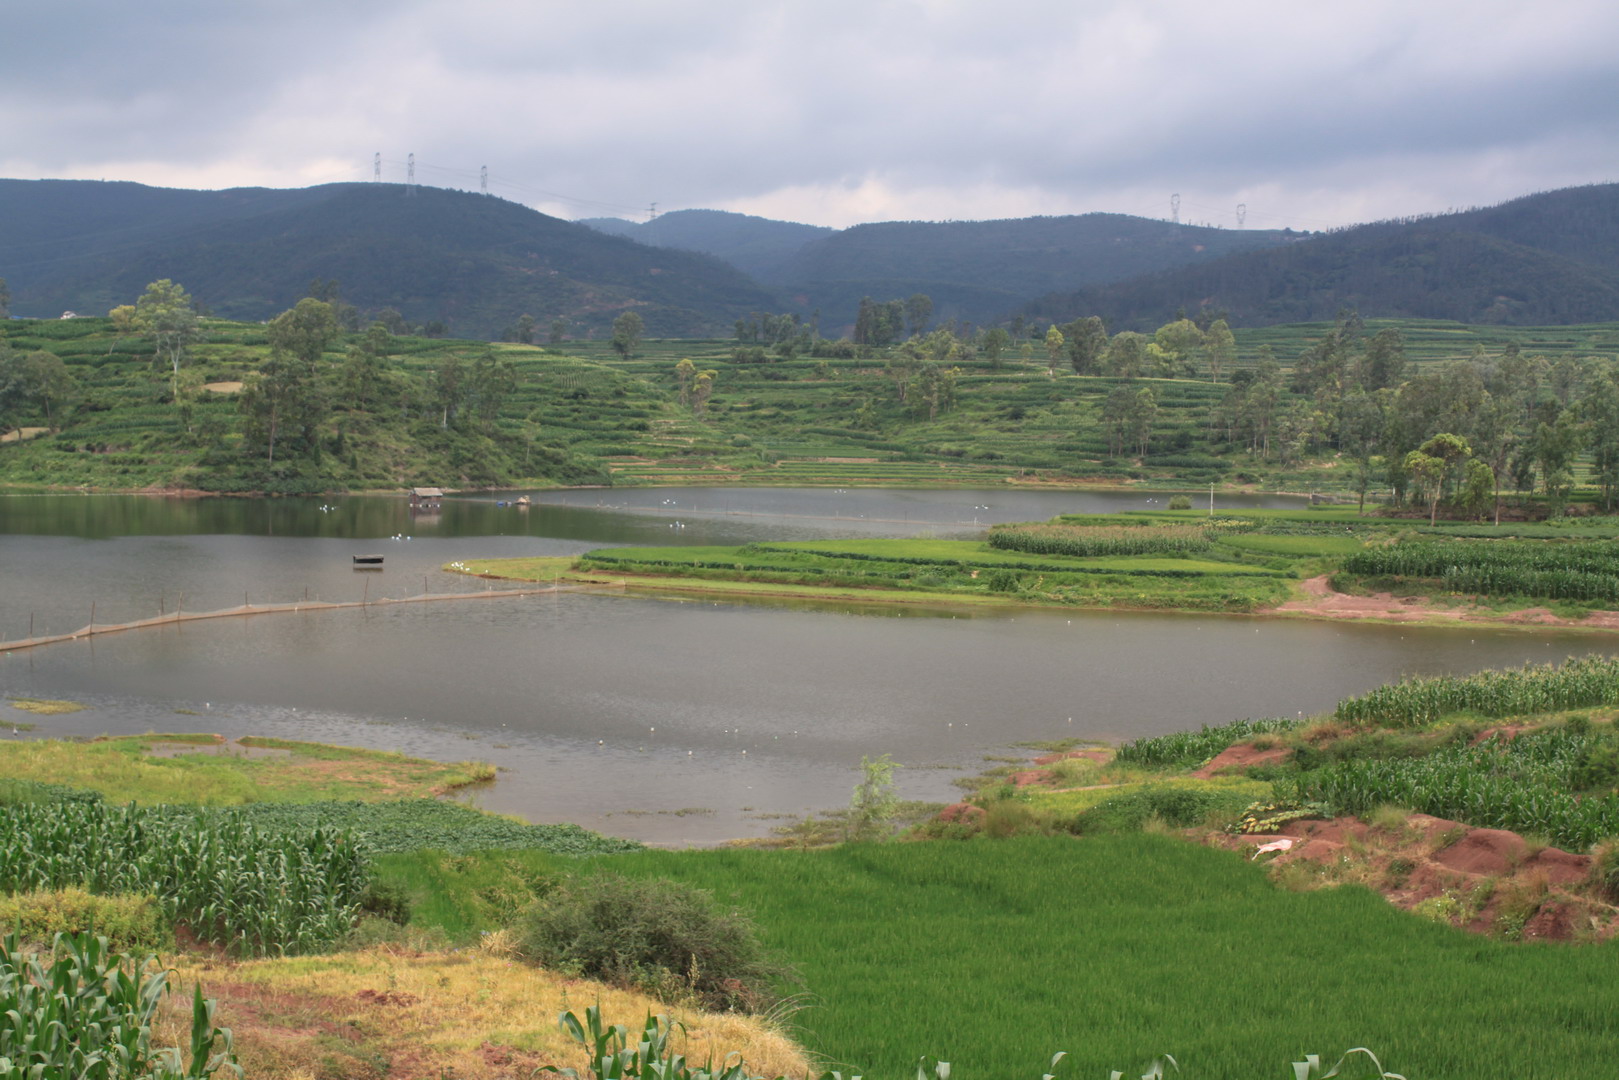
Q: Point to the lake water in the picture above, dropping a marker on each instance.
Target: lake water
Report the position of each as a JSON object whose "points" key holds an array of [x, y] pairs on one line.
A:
{"points": [[668, 720]]}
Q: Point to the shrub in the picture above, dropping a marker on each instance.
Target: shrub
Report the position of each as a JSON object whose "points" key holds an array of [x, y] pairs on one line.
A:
{"points": [[663, 937], [1180, 502], [1177, 807], [127, 922]]}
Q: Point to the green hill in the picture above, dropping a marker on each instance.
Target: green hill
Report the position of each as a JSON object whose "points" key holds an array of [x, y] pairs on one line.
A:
{"points": [[757, 246], [465, 414], [1541, 260], [468, 261]]}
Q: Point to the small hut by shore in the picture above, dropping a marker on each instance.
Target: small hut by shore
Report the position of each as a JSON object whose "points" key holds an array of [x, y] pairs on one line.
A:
{"points": [[426, 498]]}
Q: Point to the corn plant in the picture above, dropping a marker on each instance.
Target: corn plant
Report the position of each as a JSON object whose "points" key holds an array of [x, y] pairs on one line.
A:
{"points": [[1579, 683], [1190, 749], [1527, 785], [87, 1014], [249, 889]]}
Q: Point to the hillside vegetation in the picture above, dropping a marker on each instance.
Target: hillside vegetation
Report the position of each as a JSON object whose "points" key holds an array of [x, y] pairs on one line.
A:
{"points": [[302, 404], [1542, 259], [470, 263]]}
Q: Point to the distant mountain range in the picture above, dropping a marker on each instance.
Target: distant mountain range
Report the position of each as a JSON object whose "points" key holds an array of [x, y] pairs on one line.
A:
{"points": [[477, 263], [473, 262], [1544, 259], [972, 270]]}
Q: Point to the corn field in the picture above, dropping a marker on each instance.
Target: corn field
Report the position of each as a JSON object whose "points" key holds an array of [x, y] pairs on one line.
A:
{"points": [[1579, 683], [86, 1014], [1191, 749], [254, 891], [1526, 785], [1088, 543], [1557, 570]]}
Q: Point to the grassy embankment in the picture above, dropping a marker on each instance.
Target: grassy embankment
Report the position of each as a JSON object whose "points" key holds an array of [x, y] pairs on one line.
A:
{"points": [[580, 414]]}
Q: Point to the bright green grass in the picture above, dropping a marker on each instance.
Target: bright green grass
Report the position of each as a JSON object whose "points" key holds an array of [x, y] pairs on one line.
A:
{"points": [[1069, 803], [993, 955]]}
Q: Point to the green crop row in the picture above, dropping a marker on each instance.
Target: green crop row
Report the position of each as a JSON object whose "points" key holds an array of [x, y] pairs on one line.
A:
{"points": [[1527, 785], [250, 889], [1191, 749], [1579, 683], [1094, 542], [1428, 558]]}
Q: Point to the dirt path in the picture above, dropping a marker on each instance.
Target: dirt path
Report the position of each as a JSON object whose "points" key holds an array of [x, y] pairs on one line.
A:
{"points": [[1320, 601]]}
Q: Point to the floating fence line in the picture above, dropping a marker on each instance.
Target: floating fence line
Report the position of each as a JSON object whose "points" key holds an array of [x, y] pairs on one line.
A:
{"points": [[295, 607]]}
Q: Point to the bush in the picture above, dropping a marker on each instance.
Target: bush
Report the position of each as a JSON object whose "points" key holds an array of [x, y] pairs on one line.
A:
{"points": [[663, 937], [127, 922], [1180, 502], [1175, 806]]}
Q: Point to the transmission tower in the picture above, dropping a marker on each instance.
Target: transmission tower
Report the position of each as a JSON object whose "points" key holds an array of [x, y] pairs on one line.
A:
{"points": [[1175, 208], [1242, 213], [410, 174], [483, 179], [376, 167]]}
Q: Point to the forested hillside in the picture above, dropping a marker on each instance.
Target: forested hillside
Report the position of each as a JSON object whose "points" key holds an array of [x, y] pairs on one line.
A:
{"points": [[472, 264], [759, 247], [972, 270], [1543, 259]]}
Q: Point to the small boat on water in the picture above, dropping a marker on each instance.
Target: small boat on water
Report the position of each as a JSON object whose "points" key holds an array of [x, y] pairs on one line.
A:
{"points": [[368, 560]]}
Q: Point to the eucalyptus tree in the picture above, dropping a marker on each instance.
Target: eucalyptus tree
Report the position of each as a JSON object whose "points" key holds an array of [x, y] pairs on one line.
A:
{"points": [[165, 311]]}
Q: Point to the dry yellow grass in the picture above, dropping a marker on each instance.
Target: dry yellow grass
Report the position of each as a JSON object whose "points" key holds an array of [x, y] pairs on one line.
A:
{"points": [[18, 434], [472, 1015]]}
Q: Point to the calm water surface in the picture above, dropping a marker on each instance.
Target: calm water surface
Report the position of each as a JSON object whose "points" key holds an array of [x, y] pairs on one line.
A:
{"points": [[672, 721]]}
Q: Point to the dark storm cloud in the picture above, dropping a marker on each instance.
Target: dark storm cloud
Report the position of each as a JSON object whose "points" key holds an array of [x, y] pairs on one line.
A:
{"points": [[845, 111]]}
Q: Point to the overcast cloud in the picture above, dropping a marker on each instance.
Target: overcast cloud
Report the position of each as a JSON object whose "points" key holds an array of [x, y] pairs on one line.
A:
{"points": [[832, 111]]}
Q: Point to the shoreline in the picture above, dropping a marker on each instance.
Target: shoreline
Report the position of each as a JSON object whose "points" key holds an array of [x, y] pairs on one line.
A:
{"points": [[1313, 599]]}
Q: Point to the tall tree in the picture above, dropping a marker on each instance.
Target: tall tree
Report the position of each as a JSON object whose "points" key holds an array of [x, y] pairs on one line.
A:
{"points": [[1180, 342], [1126, 354], [559, 330], [493, 380], [447, 386], [1220, 347], [1087, 342], [995, 343], [1054, 341], [165, 311], [281, 403], [627, 331], [918, 312], [702, 388], [685, 377], [304, 330]]}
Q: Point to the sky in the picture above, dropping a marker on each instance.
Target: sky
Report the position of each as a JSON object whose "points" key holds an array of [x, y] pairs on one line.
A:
{"points": [[832, 112]]}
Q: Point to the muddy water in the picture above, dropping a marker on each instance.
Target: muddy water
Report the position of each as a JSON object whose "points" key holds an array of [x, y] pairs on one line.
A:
{"points": [[672, 721]]}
